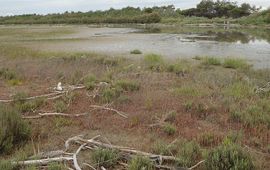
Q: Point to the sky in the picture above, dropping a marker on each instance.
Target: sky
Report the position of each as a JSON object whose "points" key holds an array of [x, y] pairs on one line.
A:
{"points": [[17, 7]]}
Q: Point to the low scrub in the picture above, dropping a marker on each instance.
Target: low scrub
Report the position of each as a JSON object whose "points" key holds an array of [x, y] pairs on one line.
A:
{"points": [[229, 156], [140, 162], [169, 129], [105, 157], [13, 130]]}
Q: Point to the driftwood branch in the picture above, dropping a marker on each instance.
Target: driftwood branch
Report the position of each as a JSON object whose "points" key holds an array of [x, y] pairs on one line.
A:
{"points": [[43, 161], [110, 109], [49, 96], [41, 115]]}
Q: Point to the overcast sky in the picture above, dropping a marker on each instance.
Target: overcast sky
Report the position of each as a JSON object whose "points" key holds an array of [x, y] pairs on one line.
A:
{"points": [[11, 7]]}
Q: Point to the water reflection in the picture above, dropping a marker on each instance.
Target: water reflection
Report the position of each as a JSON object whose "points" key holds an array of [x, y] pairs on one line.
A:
{"points": [[231, 35]]}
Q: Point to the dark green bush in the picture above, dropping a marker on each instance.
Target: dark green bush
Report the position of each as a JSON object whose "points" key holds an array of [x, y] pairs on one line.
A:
{"points": [[229, 156], [136, 51], [13, 130]]}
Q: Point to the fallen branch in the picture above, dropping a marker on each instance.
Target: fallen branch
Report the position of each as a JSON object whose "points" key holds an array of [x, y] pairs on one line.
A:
{"points": [[110, 109], [41, 115], [43, 161], [49, 96]]}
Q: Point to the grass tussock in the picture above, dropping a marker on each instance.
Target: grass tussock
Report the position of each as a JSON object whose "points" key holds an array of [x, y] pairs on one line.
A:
{"points": [[105, 157], [140, 162], [189, 153], [229, 156], [169, 129]]}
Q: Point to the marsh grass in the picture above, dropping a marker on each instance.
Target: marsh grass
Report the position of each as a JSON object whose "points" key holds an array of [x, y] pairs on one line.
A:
{"points": [[60, 106], [211, 61], [105, 157], [235, 63], [229, 156], [14, 131], [90, 82], [154, 62], [127, 85], [188, 154], [169, 129], [239, 90], [140, 162], [180, 67], [187, 91]]}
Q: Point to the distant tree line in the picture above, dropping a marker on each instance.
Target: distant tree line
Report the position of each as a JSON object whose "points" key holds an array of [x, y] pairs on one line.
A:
{"points": [[206, 8], [220, 8]]}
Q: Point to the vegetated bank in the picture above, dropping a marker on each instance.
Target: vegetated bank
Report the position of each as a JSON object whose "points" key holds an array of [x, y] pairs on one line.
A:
{"points": [[207, 11]]}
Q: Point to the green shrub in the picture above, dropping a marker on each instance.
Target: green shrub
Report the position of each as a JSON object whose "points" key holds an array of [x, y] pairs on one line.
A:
{"points": [[29, 106], [229, 156], [60, 107], [239, 90], [128, 85], [179, 68], [136, 51], [154, 62], [169, 129], [110, 93], [105, 157], [8, 74], [189, 154], [89, 82], [13, 130], [235, 63], [161, 148], [208, 139], [211, 61], [139, 163]]}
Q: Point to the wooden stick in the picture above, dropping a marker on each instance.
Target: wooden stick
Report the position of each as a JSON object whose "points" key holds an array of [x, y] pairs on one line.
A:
{"points": [[193, 167], [110, 109], [41, 115]]}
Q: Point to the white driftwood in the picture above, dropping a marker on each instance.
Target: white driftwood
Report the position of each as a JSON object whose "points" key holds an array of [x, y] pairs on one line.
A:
{"points": [[49, 96], [110, 109], [43, 161]]}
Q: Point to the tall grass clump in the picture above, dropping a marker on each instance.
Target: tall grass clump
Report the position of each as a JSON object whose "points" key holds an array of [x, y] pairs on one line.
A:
{"points": [[211, 61], [13, 130], [235, 63], [180, 67], [154, 62], [229, 156], [140, 162], [239, 90], [105, 157]]}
